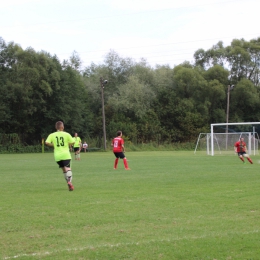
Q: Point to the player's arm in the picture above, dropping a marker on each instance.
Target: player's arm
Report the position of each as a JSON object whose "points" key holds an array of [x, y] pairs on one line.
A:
{"points": [[123, 148], [71, 141], [80, 144], [49, 144]]}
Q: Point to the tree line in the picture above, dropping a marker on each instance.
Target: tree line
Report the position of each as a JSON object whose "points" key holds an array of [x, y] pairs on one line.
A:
{"points": [[149, 104]]}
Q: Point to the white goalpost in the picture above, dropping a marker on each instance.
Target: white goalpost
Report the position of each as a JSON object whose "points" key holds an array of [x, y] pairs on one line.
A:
{"points": [[223, 142], [227, 124]]}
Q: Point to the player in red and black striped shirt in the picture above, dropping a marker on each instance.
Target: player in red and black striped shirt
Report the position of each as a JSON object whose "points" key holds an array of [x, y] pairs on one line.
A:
{"points": [[241, 150]]}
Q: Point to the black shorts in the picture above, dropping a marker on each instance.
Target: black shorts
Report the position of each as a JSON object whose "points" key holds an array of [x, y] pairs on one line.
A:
{"points": [[120, 155], [241, 153], [64, 163], [76, 149]]}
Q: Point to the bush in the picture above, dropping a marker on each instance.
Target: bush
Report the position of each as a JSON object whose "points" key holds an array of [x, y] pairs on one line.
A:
{"points": [[161, 147], [152, 146], [13, 148]]}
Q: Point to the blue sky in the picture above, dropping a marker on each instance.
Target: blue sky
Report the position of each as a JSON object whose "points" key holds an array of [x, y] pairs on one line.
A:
{"points": [[162, 32]]}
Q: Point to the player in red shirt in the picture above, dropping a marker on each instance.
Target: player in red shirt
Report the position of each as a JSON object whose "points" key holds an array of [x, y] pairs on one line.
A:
{"points": [[240, 149], [118, 149]]}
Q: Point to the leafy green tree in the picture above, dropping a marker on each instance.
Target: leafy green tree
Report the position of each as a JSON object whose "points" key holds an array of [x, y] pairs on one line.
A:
{"points": [[217, 78], [39, 91], [214, 56], [75, 61], [217, 72], [244, 102], [117, 70], [134, 98], [69, 102], [244, 60], [160, 104]]}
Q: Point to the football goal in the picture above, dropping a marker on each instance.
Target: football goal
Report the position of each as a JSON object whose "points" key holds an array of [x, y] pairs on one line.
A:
{"points": [[219, 142]]}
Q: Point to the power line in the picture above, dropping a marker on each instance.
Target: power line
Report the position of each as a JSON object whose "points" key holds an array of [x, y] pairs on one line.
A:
{"points": [[164, 44], [128, 14]]}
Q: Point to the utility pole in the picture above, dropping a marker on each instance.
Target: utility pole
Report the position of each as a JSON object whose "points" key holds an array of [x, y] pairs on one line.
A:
{"points": [[230, 87], [102, 85], [227, 115]]}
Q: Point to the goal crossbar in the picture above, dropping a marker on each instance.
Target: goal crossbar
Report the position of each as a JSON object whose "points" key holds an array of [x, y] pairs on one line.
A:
{"points": [[226, 124]]}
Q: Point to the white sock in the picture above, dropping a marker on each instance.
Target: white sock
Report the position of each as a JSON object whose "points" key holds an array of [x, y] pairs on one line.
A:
{"points": [[68, 176]]}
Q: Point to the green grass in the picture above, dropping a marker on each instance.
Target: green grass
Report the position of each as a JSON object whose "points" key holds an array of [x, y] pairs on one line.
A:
{"points": [[171, 205]]}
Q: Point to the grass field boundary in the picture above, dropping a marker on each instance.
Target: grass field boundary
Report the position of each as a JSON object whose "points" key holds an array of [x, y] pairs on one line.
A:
{"points": [[125, 244]]}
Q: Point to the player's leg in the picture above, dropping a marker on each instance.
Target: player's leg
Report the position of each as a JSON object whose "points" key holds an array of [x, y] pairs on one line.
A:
{"points": [[241, 157], [68, 174], [79, 153], [75, 152], [248, 158], [122, 156], [68, 177], [116, 160]]}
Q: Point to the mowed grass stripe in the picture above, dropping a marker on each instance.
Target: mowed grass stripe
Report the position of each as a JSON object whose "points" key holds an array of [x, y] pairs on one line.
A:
{"points": [[171, 205]]}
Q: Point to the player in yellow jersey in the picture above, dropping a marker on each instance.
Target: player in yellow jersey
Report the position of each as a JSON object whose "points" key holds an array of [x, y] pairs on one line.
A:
{"points": [[77, 146], [61, 141]]}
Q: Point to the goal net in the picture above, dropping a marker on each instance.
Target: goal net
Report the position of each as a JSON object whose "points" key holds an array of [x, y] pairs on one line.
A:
{"points": [[224, 143], [220, 142]]}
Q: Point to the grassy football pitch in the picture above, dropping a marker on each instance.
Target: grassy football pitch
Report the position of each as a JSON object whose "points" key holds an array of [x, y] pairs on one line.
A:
{"points": [[171, 205]]}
